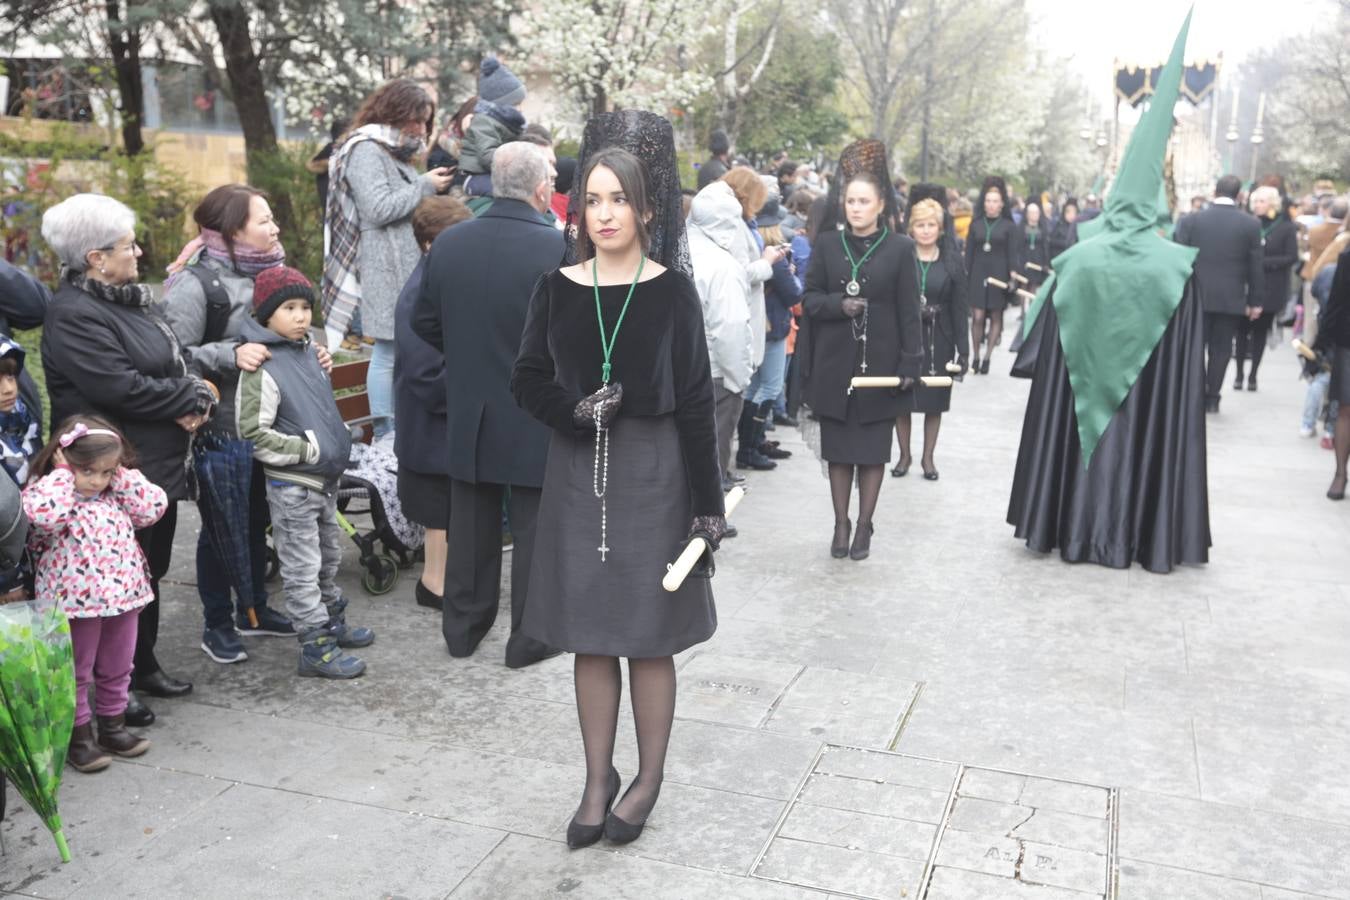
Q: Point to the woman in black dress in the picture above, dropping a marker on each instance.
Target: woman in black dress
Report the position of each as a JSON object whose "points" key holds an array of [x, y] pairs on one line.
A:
{"points": [[1064, 233], [1034, 257], [991, 252], [632, 468], [1333, 340], [862, 300], [942, 305], [1279, 253]]}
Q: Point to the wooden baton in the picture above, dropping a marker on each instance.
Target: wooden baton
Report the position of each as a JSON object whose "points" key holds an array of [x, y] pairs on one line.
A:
{"points": [[890, 381], [994, 282]]}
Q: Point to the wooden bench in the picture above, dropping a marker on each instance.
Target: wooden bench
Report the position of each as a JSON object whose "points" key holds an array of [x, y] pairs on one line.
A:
{"points": [[349, 384]]}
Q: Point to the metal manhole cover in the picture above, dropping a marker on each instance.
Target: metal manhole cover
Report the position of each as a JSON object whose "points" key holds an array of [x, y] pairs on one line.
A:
{"points": [[875, 824]]}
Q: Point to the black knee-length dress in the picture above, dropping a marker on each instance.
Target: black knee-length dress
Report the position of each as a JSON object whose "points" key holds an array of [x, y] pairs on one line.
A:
{"points": [[998, 262], [662, 471]]}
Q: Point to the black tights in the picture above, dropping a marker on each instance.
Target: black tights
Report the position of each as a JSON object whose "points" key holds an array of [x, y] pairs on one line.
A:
{"points": [[599, 686], [931, 423], [978, 318], [869, 489], [1342, 446]]}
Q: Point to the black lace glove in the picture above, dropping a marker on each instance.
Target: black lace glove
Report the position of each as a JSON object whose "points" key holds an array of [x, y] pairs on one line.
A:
{"points": [[853, 306], [712, 529], [906, 383], [606, 401]]}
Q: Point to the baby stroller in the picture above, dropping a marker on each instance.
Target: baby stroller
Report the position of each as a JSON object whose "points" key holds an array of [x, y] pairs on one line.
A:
{"points": [[369, 487]]}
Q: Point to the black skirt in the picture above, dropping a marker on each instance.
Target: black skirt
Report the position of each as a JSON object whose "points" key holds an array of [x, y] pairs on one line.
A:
{"points": [[425, 498], [616, 607], [851, 442], [1340, 375]]}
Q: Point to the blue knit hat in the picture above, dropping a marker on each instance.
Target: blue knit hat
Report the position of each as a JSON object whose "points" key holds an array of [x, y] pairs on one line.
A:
{"points": [[498, 84]]}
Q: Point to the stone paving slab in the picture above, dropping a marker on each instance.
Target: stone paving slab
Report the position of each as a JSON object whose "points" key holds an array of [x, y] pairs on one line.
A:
{"points": [[1214, 700]]}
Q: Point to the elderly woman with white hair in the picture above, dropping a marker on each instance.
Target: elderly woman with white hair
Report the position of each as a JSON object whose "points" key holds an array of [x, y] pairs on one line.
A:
{"points": [[1279, 253], [107, 352]]}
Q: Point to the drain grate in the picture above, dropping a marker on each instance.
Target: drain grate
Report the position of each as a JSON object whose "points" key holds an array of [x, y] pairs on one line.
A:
{"points": [[876, 824]]}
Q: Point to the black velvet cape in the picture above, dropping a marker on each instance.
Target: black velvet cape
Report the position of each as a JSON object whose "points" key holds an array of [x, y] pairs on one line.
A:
{"points": [[1144, 498], [660, 357]]}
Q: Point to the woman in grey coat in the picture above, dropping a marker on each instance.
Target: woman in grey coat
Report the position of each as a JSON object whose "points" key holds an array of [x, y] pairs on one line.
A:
{"points": [[371, 251], [207, 299]]}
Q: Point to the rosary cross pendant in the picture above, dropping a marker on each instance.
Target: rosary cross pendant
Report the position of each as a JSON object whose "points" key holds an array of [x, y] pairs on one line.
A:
{"points": [[603, 550]]}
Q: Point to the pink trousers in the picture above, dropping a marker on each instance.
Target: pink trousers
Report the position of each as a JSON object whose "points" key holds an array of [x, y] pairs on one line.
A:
{"points": [[103, 647]]}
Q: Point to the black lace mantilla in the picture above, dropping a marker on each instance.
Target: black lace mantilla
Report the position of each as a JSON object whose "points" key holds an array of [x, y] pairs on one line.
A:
{"points": [[651, 139]]}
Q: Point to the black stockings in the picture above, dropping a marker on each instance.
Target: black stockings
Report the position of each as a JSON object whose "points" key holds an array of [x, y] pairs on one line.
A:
{"points": [[599, 685], [977, 317], [931, 423], [1342, 446], [869, 489]]}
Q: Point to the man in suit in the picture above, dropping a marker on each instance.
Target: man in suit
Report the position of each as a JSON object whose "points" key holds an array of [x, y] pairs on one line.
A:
{"points": [[475, 292], [1228, 275]]}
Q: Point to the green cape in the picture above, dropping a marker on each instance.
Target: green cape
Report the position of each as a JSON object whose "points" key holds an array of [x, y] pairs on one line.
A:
{"points": [[1115, 290]]}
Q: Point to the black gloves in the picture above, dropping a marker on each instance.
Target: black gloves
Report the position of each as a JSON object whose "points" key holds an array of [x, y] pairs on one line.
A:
{"points": [[712, 529], [853, 306], [605, 401]]}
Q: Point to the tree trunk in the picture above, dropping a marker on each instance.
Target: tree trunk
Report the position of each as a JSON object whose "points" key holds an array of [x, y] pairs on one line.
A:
{"points": [[244, 71], [124, 43]]}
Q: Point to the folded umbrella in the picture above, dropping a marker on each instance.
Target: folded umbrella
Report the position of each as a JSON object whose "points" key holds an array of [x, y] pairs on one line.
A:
{"points": [[224, 467], [37, 706]]}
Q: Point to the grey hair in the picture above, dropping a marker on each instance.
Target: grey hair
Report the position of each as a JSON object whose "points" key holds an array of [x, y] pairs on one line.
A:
{"points": [[1340, 207], [83, 223], [518, 168], [1265, 192]]}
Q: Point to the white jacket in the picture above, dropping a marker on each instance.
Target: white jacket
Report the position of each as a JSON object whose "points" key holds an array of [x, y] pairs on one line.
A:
{"points": [[747, 253], [715, 229]]}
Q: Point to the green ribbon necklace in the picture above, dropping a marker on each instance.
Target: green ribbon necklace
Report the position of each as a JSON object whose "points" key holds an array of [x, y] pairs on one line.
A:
{"points": [[1032, 234], [600, 473], [1265, 232], [853, 289], [988, 230], [607, 341]]}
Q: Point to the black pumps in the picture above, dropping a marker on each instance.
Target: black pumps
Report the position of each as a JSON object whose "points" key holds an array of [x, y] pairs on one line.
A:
{"points": [[579, 835]]}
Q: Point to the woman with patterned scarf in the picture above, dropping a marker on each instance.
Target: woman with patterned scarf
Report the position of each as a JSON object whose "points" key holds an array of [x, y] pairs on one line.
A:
{"points": [[107, 352], [369, 246], [208, 296]]}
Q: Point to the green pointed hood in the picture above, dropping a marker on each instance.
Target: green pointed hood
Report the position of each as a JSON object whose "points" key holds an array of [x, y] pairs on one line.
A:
{"points": [[1116, 289]]}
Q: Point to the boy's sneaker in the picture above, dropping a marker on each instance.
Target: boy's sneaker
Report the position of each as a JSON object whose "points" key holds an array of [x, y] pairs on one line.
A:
{"points": [[270, 622], [223, 645], [347, 636], [1305, 431], [322, 657]]}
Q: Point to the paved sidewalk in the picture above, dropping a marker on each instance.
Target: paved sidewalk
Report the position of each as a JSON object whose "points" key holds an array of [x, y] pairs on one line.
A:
{"points": [[953, 718]]}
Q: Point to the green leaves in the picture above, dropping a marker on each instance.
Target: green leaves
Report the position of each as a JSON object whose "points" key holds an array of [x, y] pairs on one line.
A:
{"points": [[37, 705]]}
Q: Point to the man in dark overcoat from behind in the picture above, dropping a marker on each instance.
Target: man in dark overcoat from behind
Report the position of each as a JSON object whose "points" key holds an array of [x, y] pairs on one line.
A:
{"points": [[1228, 275], [475, 293]]}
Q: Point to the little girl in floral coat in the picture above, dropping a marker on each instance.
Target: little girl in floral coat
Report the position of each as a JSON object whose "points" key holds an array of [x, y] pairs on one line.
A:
{"points": [[84, 505]]}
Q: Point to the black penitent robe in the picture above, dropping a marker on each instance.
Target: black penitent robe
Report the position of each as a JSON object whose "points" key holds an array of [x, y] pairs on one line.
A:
{"points": [[1144, 498]]}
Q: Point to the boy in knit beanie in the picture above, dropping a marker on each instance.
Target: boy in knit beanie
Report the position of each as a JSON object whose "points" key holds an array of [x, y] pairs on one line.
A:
{"points": [[496, 119], [286, 408]]}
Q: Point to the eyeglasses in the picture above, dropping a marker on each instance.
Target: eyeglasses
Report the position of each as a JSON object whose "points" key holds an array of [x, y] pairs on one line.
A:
{"points": [[113, 248]]}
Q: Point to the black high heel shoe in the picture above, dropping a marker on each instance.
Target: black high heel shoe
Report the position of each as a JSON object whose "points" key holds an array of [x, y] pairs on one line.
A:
{"points": [[901, 468], [617, 831], [839, 547], [984, 366], [862, 542], [579, 835]]}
